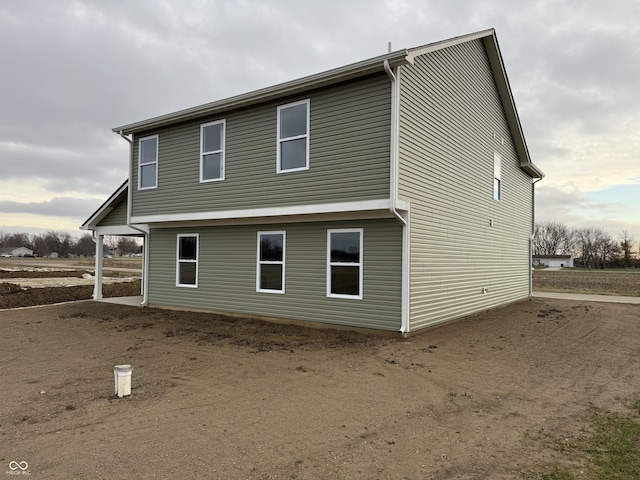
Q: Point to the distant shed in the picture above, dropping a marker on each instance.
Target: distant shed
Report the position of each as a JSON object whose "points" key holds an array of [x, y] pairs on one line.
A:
{"points": [[553, 261]]}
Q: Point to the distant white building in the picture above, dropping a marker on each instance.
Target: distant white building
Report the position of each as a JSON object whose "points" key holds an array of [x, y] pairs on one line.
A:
{"points": [[553, 261], [15, 252]]}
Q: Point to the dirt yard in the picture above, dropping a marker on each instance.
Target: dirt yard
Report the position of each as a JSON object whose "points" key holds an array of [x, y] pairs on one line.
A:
{"points": [[506, 394], [502, 395], [595, 282], [29, 282]]}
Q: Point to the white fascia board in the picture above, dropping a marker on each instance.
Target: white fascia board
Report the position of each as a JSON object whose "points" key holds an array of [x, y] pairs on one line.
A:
{"points": [[122, 230], [433, 47], [325, 208]]}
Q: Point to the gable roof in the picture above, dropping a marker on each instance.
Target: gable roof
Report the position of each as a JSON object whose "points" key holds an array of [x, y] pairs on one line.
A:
{"points": [[356, 70], [116, 197]]}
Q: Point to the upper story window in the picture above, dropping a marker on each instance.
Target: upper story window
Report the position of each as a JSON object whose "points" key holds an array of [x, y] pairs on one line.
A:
{"points": [[148, 162], [344, 263], [212, 151], [293, 137], [497, 176], [270, 268]]}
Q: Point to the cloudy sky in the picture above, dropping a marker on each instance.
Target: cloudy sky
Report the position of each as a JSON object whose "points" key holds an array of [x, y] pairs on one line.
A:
{"points": [[72, 70]]}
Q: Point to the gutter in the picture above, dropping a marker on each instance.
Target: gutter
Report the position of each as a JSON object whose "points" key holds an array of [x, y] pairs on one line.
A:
{"points": [[533, 227], [145, 258], [405, 326]]}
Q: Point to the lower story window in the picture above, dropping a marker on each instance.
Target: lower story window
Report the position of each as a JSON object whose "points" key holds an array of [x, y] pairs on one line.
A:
{"points": [[270, 268], [344, 263], [187, 261]]}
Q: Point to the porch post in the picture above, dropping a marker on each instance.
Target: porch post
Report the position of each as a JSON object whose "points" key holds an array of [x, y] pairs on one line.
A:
{"points": [[97, 286], [145, 269]]}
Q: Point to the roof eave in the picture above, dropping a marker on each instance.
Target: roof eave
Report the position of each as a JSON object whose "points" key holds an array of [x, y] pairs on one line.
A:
{"points": [[292, 87], [490, 41], [532, 170]]}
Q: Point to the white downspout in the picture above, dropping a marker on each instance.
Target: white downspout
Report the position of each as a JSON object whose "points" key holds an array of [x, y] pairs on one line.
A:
{"points": [[145, 253], [393, 193], [533, 229]]}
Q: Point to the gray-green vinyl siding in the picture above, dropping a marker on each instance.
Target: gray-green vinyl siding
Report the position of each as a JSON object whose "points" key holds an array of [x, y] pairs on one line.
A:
{"points": [[348, 156], [227, 274], [462, 240], [117, 216]]}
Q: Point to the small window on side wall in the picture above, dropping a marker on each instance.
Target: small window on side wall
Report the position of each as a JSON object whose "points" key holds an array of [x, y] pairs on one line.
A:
{"points": [[293, 137], [187, 261], [148, 162], [344, 263], [212, 151], [497, 176], [271, 262]]}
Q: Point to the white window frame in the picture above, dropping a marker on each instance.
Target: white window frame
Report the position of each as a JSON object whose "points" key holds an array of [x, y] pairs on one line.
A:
{"points": [[259, 262], [140, 164], [282, 140], [332, 264], [497, 176], [221, 151], [179, 261]]}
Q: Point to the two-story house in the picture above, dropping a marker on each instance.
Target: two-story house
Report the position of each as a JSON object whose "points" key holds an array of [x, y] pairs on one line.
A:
{"points": [[394, 193]]}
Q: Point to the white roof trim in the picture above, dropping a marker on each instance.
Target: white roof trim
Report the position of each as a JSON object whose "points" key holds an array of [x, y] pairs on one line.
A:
{"points": [[324, 208], [432, 47]]}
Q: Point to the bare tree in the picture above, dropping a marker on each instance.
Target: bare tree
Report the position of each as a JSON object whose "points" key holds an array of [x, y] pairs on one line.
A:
{"points": [[40, 246], [586, 245], [626, 245], [110, 243], [606, 248], [86, 246], [552, 238], [15, 240], [59, 241], [127, 245]]}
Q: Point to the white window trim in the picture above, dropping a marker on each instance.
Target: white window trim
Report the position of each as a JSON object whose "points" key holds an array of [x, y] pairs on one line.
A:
{"points": [[331, 264], [178, 261], [140, 164], [497, 175], [279, 140], [221, 151], [261, 262]]}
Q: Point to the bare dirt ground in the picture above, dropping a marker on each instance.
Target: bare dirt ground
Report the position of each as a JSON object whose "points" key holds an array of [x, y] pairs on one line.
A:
{"points": [[596, 282], [13, 295], [500, 395], [29, 282]]}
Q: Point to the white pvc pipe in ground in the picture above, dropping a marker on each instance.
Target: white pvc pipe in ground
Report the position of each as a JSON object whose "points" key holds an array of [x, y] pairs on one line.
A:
{"points": [[122, 374]]}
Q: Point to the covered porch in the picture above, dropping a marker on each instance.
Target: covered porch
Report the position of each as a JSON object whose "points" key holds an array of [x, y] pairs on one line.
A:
{"points": [[111, 219]]}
